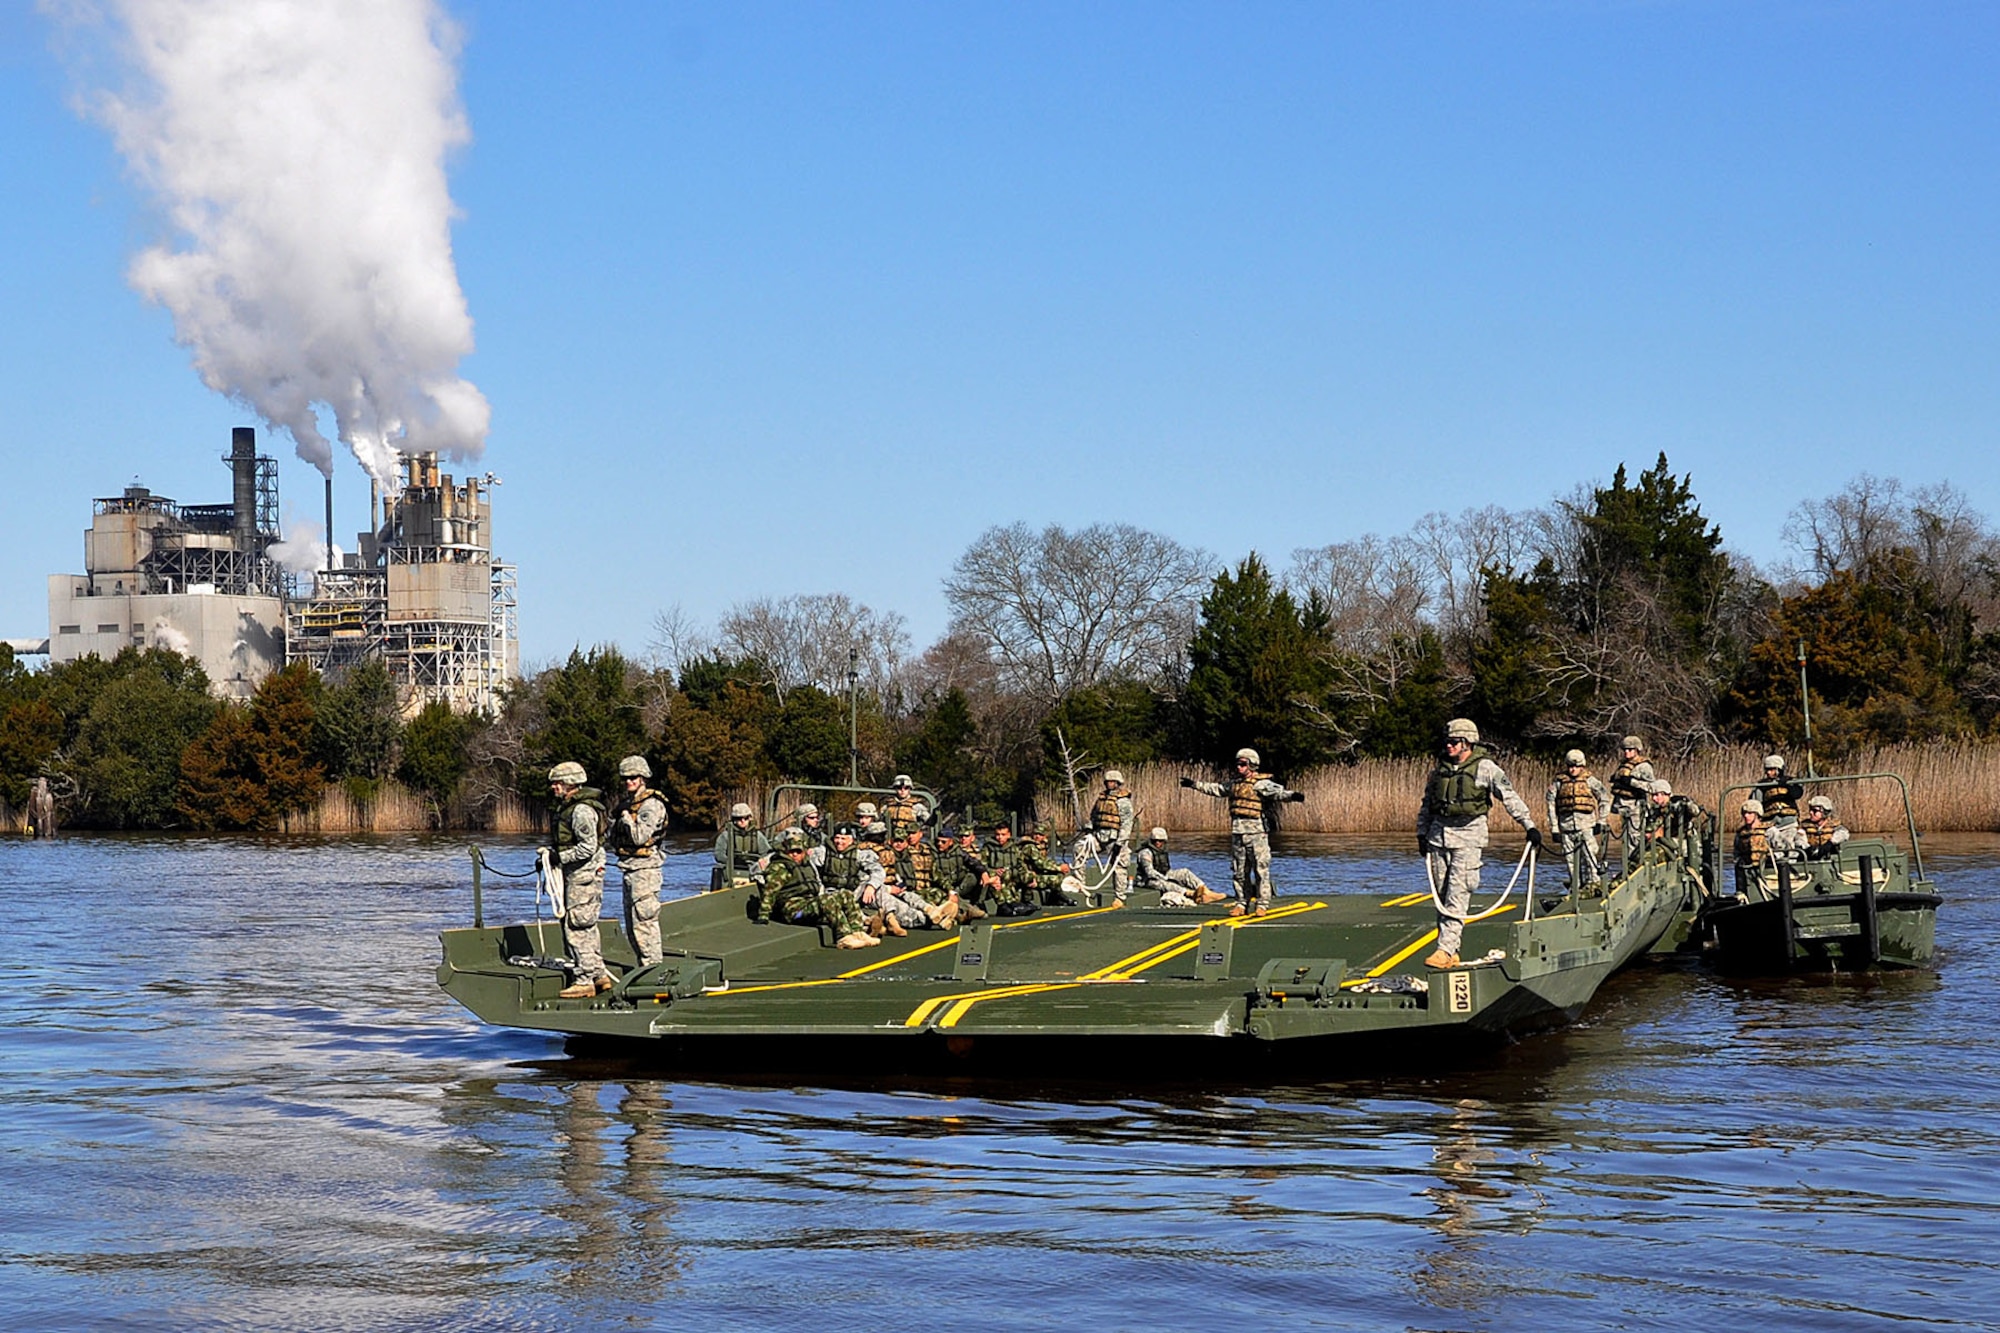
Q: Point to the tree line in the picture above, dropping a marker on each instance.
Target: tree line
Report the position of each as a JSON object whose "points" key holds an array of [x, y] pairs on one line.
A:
{"points": [[1614, 609]]}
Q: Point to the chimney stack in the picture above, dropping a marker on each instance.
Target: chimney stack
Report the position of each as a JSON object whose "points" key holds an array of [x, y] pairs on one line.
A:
{"points": [[243, 471]]}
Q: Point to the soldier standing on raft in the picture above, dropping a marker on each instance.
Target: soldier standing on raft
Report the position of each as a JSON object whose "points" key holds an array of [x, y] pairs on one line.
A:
{"points": [[1631, 784], [1579, 810], [635, 837], [578, 851], [1451, 828], [1249, 835]]}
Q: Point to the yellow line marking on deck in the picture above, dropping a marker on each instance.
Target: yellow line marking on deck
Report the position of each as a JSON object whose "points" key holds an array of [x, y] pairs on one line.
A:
{"points": [[1419, 943], [922, 1012], [1174, 946], [958, 1010], [1406, 900], [945, 943]]}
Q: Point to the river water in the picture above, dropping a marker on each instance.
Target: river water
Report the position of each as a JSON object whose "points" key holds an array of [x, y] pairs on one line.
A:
{"points": [[232, 1096]]}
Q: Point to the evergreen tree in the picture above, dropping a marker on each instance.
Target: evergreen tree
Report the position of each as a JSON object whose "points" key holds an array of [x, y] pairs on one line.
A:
{"points": [[589, 714], [1256, 676], [714, 738], [358, 723], [434, 756], [1877, 666], [808, 739], [219, 787], [144, 707], [254, 766]]}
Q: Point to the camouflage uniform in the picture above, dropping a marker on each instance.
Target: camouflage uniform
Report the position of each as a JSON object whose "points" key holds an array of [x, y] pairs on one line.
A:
{"points": [[1003, 858], [635, 834], [1780, 796], [1823, 833], [1630, 782], [579, 853], [795, 896], [903, 811], [1579, 810], [1753, 845], [1152, 868], [1249, 839], [739, 850], [1113, 823], [1452, 830], [1036, 877], [882, 892]]}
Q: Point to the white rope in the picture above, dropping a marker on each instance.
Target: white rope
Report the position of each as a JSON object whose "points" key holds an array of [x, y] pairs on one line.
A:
{"points": [[549, 880], [1527, 860]]}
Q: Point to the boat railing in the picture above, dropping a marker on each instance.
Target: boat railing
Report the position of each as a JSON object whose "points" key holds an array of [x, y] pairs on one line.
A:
{"points": [[803, 791], [539, 873]]}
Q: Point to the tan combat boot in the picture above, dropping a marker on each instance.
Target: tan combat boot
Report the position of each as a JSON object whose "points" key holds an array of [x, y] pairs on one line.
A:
{"points": [[857, 940], [889, 926], [1442, 961], [581, 990]]}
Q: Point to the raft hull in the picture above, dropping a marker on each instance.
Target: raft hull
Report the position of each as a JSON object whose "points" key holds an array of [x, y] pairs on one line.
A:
{"points": [[1860, 912]]}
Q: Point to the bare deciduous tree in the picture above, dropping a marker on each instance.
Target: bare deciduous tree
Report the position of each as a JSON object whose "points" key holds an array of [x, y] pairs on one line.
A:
{"points": [[1847, 530], [1375, 590], [808, 640], [1061, 611], [677, 640], [1457, 549]]}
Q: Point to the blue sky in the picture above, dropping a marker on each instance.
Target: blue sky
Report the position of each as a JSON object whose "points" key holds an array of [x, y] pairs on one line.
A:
{"points": [[778, 299]]}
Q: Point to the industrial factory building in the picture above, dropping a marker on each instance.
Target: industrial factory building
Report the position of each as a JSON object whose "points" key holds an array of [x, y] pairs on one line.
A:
{"points": [[423, 593], [193, 578]]}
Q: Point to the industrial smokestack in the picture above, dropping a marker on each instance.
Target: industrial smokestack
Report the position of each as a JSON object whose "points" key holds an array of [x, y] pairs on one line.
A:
{"points": [[243, 470], [329, 525]]}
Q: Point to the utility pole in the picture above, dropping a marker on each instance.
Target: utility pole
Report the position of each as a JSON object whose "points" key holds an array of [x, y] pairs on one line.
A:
{"points": [[853, 718]]}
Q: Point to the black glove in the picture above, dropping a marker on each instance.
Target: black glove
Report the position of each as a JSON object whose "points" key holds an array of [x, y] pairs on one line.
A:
{"points": [[1187, 782], [1423, 847], [1535, 838], [1295, 796]]}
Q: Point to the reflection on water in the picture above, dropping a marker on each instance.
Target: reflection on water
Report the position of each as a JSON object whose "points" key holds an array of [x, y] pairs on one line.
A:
{"points": [[231, 1096]]}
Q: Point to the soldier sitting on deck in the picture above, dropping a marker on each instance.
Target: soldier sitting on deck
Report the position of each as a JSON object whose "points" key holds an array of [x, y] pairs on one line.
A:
{"points": [[1152, 869], [794, 895]]}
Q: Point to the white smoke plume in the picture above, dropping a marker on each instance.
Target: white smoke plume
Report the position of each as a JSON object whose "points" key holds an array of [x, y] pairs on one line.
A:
{"points": [[303, 551], [166, 634], [297, 149]]}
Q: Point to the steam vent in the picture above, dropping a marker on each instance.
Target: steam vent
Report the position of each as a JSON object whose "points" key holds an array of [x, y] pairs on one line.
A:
{"points": [[423, 594]]}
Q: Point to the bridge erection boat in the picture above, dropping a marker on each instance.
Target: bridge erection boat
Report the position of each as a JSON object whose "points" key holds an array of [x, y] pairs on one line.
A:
{"points": [[1323, 984], [1865, 904]]}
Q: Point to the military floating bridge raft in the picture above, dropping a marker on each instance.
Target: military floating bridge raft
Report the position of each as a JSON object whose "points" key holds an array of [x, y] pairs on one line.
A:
{"points": [[1326, 981]]}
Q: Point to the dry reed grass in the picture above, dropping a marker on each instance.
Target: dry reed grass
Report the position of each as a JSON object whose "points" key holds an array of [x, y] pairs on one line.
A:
{"points": [[394, 808], [1954, 788]]}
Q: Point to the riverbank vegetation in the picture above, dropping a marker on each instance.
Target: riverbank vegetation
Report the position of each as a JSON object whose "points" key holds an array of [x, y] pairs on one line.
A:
{"points": [[1614, 609]]}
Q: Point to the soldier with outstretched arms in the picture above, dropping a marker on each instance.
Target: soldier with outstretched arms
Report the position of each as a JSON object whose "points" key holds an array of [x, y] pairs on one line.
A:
{"points": [[1249, 834]]}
